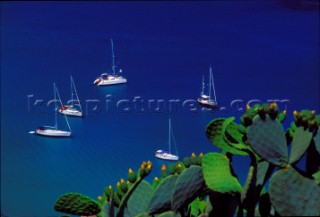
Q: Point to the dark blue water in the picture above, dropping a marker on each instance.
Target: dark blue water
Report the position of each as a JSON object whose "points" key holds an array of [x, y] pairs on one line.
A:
{"points": [[258, 50]]}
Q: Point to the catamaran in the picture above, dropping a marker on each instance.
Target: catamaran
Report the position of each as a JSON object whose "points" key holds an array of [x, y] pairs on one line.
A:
{"points": [[166, 154], [53, 130], [113, 78], [75, 108], [205, 100]]}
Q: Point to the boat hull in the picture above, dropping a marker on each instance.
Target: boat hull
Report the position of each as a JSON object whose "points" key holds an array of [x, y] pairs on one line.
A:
{"points": [[101, 82], [71, 112], [166, 156], [53, 133], [207, 103]]}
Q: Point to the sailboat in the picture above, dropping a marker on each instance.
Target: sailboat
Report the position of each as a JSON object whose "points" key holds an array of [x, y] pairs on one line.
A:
{"points": [[53, 131], [75, 108], [166, 154], [112, 78], [205, 100]]}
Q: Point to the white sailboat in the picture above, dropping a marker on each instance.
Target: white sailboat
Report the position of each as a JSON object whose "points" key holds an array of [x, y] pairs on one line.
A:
{"points": [[113, 78], [166, 154], [75, 108], [53, 131], [205, 100]]}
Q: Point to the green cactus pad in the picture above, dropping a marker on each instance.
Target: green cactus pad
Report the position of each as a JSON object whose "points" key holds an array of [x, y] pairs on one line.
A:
{"points": [[77, 204], [144, 214], [169, 214], [248, 193], [196, 207], [316, 140], [316, 177], [140, 198], [300, 143], [187, 187], [267, 138], [292, 194], [162, 197], [215, 135], [262, 169], [217, 173], [233, 137], [187, 162], [106, 210]]}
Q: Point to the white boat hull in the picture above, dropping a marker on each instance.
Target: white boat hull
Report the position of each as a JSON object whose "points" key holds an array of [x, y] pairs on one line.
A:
{"points": [[166, 156], [208, 103], [103, 82], [53, 133], [71, 112]]}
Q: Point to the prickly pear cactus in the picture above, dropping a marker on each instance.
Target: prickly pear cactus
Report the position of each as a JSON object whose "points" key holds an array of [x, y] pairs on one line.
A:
{"points": [[217, 173], [162, 197], [292, 194], [248, 193], [215, 135], [169, 214], [140, 198], [316, 140], [267, 138], [77, 204], [300, 143], [187, 187]]}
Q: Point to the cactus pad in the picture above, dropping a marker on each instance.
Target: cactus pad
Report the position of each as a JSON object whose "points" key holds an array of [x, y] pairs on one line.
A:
{"points": [[162, 197], [77, 204], [248, 193], [316, 140], [300, 143], [169, 214], [187, 187], [215, 135], [292, 194], [140, 198], [217, 173], [267, 138]]}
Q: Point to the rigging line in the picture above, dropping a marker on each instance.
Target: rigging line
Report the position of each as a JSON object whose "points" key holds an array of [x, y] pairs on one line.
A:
{"points": [[75, 90], [61, 105], [174, 142]]}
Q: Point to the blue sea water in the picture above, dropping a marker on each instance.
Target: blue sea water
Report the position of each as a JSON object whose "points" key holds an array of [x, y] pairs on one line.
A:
{"points": [[258, 50]]}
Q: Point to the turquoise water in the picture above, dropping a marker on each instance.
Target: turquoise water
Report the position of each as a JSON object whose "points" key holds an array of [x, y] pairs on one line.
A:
{"points": [[264, 50]]}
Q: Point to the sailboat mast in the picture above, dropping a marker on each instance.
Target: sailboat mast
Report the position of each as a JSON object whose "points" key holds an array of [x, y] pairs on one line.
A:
{"points": [[212, 81], [202, 91], [55, 106], [169, 135], [113, 65], [75, 90], [71, 90]]}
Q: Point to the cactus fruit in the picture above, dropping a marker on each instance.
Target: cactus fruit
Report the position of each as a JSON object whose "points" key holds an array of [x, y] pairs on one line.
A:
{"points": [[300, 143], [282, 116], [292, 194], [267, 138], [187, 162], [162, 197], [108, 191], [132, 177], [187, 187], [77, 204], [155, 183], [217, 174], [140, 198], [164, 172]]}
